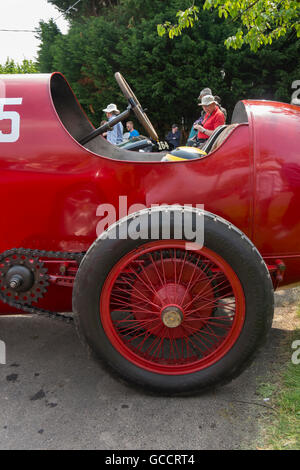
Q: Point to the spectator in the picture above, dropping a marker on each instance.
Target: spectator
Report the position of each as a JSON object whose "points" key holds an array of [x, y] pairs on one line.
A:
{"points": [[204, 92], [173, 137], [115, 136], [132, 131], [193, 132], [213, 118]]}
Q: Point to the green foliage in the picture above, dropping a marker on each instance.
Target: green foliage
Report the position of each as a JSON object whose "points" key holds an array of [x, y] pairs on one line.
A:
{"points": [[47, 33], [26, 66], [260, 21], [186, 19], [166, 75]]}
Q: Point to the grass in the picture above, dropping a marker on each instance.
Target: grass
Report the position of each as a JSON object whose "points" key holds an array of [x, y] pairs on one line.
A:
{"points": [[281, 427], [284, 433]]}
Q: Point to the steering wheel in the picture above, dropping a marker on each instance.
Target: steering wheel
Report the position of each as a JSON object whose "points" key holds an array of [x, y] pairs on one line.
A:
{"points": [[136, 106]]}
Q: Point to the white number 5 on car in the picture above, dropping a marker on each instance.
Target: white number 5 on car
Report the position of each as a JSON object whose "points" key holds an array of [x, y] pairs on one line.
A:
{"points": [[13, 116]]}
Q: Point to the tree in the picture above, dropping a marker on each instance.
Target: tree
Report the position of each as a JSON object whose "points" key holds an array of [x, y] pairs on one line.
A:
{"points": [[47, 33], [259, 21], [166, 83], [82, 8], [166, 75], [26, 66]]}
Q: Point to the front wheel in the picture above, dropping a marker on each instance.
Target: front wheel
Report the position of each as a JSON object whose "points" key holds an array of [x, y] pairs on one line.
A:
{"points": [[169, 318]]}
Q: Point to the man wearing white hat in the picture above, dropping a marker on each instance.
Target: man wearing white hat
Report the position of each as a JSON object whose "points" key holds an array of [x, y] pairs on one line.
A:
{"points": [[213, 118], [115, 136]]}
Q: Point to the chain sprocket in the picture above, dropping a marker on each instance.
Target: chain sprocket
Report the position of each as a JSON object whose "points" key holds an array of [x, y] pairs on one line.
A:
{"points": [[31, 259], [39, 278]]}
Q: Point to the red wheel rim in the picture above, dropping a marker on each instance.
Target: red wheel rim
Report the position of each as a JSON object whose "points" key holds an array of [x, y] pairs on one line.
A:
{"points": [[170, 310]]}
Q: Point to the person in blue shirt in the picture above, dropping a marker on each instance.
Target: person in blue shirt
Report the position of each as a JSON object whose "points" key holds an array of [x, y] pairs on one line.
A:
{"points": [[132, 131], [115, 136]]}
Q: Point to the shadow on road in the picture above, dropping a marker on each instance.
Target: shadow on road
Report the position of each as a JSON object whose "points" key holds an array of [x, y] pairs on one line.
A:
{"points": [[54, 397]]}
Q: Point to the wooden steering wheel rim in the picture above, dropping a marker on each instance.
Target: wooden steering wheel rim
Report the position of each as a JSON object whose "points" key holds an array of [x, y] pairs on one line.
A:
{"points": [[138, 110]]}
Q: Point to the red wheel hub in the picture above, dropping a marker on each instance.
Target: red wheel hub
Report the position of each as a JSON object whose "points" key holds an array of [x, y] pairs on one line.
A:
{"points": [[165, 292], [172, 311], [171, 292]]}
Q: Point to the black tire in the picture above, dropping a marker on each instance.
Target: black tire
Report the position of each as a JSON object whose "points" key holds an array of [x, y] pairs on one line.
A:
{"points": [[223, 239]]}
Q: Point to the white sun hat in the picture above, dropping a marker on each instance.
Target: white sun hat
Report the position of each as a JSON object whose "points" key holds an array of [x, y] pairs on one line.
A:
{"points": [[111, 108], [207, 100]]}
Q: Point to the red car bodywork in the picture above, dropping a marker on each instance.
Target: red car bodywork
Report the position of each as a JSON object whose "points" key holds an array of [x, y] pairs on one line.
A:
{"points": [[51, 186]]}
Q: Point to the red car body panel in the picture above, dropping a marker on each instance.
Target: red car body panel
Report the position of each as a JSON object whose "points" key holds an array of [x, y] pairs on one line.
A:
{"points": [[51, 186]]}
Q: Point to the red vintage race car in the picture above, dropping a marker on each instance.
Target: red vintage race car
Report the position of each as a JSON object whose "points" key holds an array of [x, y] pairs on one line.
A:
{"points": [[169, 267]]}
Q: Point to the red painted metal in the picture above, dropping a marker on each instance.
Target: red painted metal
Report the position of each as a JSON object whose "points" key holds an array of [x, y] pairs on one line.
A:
{"points": [[51, 186], [201, 286]]}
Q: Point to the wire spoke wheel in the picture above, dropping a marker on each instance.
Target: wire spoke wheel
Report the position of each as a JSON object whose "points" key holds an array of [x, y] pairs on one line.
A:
{"points": [[172, 311], [166, 317]]}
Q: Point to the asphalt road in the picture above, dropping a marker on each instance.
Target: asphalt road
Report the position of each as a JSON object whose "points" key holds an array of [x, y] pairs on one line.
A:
{"points": [[54, 397]]}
